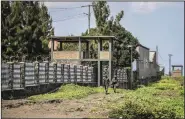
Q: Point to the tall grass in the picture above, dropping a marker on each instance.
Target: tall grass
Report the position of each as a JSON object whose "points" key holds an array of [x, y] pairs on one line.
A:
{"points": [[160, 100]]}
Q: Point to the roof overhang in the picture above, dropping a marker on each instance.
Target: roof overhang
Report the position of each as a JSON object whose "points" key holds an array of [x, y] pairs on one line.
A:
{"points": [[177, 65], [82, 38], [142, 46]]}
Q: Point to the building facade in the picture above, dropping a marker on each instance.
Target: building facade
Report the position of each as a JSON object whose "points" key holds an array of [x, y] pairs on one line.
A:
{"points": [[143, 61]]}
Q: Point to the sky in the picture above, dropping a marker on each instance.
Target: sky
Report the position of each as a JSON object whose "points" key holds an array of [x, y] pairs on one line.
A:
{"points": [[153, 23]]}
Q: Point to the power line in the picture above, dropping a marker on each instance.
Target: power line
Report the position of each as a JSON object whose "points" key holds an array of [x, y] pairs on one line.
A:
{"points": [[65, 9], [70, 17], [161, 57], [69, 8]]}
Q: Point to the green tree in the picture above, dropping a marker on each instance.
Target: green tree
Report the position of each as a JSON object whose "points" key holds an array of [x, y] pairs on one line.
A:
{"points": [[28, 30], [106, 25], [5, 12], [46, 27]]}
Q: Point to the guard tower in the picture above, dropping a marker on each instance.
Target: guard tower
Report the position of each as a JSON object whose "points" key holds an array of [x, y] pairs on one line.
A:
{"points": [[177, 70], [80, 56]]}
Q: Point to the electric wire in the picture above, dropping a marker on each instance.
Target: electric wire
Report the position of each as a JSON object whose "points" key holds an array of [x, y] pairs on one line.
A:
{"points": [[72, 17]]}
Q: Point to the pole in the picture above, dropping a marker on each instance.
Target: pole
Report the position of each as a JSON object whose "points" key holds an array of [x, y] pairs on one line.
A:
{"points": [[169, 64], [89, 15], [131, 75], [157, 54]]}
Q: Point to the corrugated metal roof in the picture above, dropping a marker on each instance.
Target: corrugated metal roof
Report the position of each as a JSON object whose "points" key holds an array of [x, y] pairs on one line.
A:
{"points": [[151, 56]]}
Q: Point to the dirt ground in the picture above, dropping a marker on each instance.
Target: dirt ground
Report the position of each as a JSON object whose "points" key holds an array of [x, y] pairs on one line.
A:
{"points": [[89, 107]]}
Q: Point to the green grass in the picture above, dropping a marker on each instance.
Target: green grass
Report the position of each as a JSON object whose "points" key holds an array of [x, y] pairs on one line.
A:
{"points": [[70, 91], [159, 100], [164, 99]]}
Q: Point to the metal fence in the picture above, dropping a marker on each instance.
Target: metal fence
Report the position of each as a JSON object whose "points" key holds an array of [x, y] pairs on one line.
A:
{"points": [[21, 75]]}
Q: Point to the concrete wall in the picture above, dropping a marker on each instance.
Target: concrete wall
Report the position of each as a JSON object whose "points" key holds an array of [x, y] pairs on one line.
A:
{"points": [[68, 55], [56, 44], [153, 69], [177, 73], [143, 64]]}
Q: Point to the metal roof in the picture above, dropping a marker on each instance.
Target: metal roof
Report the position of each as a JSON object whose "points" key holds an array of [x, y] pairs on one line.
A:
{"points": [[86, 38]]}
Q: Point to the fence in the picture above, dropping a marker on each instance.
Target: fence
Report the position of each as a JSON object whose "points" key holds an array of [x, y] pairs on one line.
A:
{"points": [[122, 76], [20, 75]]}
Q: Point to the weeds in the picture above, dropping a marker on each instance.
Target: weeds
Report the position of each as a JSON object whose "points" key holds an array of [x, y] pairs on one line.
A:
{"points": [[70, 91], [163, 99]]}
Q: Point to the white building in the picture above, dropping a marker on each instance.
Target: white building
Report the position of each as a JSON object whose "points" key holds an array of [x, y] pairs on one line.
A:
{"points": [[146, 65], [143, 61], [153, 64]]}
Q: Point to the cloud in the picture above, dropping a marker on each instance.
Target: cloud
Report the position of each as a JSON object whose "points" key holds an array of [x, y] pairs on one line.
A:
{"points": [[147, 7]]}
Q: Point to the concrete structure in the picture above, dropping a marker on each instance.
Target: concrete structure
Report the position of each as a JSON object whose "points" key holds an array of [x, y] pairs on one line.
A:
{"points": [[143, 61], [77, 55], [177, 70], [153, 66]]}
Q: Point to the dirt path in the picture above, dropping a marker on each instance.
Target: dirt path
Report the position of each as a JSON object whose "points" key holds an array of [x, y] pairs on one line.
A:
{"points": [[91, 106]]}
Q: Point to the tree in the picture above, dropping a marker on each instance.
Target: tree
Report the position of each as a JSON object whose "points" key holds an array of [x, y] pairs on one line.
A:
{"points": [[47, 29], [28, 30], [5, 12], [106, 25]]}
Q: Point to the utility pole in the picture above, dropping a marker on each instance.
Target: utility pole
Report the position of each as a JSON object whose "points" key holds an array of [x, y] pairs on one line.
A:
{"points": [[157, 54], [89, 16], [131, 72], [170, 55]]}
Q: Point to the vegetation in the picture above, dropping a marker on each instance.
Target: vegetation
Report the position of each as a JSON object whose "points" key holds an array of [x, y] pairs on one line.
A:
{"points": [[110, 26], [164, 99], [160, 100], [26, 28], [69, 91]]}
